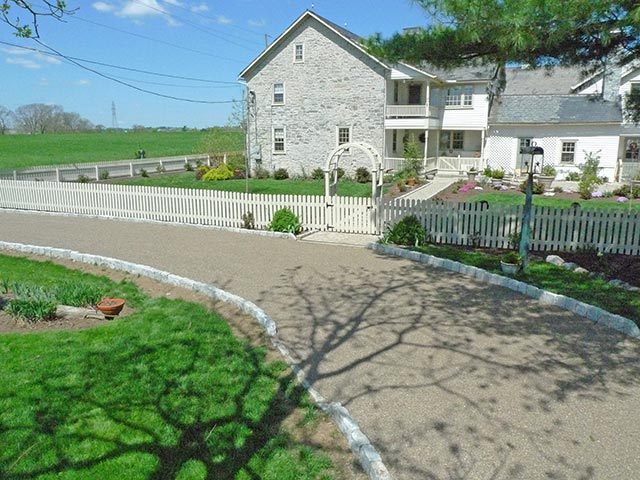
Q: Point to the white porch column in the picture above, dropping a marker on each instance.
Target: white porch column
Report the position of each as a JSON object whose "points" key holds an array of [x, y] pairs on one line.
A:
{"points": [[482, 140], [426, 148]]}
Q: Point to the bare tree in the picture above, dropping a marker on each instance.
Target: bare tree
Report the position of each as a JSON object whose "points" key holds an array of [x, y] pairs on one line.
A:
{"points": [[37, 117], [6, 118], [10, 11]]}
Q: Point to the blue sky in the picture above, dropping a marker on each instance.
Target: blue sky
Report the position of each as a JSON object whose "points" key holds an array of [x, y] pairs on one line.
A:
{"points": [[210, 40]]}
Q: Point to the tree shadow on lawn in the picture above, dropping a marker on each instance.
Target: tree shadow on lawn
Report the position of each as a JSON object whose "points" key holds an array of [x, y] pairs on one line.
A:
{"points": [[452, 378], [161, 396]]}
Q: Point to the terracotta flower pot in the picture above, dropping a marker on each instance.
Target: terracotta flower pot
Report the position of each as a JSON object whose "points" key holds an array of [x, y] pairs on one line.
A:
{"points": [[110, 307], [411, 182]]}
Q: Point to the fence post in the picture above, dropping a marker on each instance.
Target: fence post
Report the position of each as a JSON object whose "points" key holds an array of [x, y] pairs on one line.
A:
{"points": [[224, 159], [208, 160], [57, 175], [131, 172], [15, 176], [97, 174]]}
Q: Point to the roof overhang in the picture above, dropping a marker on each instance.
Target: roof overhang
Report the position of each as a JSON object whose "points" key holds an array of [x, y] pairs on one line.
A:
{"points": [[302, 18]]}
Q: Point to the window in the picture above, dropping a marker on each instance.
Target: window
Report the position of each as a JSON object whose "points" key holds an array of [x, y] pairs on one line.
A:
{"points": [[278, 140], [459, 96], [298, 52], [451, 140], [631, 149], [396, 92], [344, 136], [568, 152], [278, 93], [394, 141]]}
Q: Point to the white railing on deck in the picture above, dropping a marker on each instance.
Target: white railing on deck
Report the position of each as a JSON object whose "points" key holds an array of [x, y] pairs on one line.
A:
{"points": [[418, 111]]}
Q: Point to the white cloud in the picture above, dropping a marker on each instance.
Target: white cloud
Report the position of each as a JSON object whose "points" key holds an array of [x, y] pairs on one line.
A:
{"points": [[82, 83], [44, 82], [203, 7], [103, 7], [140, 8], [177, 3], [23, 62], [257, 23], [221, 19]]}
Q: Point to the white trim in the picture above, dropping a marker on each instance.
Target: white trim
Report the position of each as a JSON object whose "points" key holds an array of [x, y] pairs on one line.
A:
{"points": [[350, 140], [273, 94], [302, 18], [295, 52], [273, 141]]}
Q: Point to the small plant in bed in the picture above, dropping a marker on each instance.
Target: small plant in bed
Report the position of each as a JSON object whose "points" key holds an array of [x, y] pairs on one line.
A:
{"points": [[31, 303], [408, 232]]}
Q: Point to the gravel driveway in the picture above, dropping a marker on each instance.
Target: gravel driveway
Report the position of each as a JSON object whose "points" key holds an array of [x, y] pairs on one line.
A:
{"points": [[449, 378]]}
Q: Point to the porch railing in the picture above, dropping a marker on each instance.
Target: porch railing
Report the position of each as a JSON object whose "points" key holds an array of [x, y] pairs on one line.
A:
{"points": [[412, 111]]}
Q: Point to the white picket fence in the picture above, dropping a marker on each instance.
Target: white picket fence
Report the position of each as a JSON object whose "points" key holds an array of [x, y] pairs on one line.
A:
{"points": [[189, 206], [611, 230], [552, 229], [111, 169]]}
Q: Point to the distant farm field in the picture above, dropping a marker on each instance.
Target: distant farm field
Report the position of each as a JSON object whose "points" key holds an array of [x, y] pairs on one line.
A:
{"points": [[20, 151]]}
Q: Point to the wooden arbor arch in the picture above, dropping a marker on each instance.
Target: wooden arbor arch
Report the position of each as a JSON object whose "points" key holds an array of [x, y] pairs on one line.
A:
{"points": [[331, 169]]}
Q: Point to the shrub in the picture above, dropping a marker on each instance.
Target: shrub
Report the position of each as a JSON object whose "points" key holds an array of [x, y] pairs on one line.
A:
{"points": [[143, 173], [587, 185], [104, 175], [281, 174], [83, 179], [363, 175], [537, 188], [201, 171], [487, 171], [573, 177], [514, 239], [512, 258], [498, 174], [626, 191], [284, 220], [222, 172], [77, 294], [591, 167], [340, 172], [261, 172], [549, 171], [248, 221], [317, 174], [408, 231], [31, 303], [188, 167]]}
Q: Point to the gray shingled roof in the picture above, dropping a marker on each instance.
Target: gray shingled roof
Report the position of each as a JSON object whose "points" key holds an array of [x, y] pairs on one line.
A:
{"points": [[527, 109], [460, 74], [527, 81]]}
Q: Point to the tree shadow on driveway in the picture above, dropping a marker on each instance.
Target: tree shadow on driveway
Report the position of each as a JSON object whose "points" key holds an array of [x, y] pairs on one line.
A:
{"points": [[455, 379]]}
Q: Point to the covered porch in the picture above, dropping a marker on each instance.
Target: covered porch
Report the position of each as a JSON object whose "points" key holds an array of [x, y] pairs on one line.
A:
{"points": [[447, 151]]}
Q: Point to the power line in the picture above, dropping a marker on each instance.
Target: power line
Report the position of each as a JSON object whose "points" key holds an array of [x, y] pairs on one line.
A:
{"points": [[93, 62], [234, 85], [150, 92], [196, 26], [174, 45]]}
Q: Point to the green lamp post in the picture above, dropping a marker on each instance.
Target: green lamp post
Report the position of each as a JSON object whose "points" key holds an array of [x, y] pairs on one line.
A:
{"points": [[532, 166]]}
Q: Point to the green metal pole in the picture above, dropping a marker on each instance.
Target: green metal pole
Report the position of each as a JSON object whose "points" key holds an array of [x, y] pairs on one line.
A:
{"points": [[526, 223]]}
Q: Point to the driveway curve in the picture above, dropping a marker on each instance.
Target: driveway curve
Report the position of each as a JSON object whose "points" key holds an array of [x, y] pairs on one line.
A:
{"points": [[449, 378]]}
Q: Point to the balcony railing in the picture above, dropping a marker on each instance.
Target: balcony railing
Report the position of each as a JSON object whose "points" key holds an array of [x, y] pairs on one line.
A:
{"points": [[412, 111]]}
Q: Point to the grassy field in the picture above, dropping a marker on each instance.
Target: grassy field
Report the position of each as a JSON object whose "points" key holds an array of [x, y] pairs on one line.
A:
{"points": [[512, 199], [166, 392], [19, 151], [346, 188]]}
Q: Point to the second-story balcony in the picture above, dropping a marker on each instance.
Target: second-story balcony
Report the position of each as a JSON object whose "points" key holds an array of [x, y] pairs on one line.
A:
{"points": [[412, 111]]}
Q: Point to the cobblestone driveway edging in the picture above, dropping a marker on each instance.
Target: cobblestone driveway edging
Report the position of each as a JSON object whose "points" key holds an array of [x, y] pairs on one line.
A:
{"points": [[593, 313], [358, 442]]}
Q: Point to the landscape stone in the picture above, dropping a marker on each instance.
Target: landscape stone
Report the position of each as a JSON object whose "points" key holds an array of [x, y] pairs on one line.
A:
{"points": [[554, 260], [570, 265]]}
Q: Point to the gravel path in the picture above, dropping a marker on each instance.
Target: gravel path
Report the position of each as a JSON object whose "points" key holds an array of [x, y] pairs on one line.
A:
{"points": [[449, 378]]}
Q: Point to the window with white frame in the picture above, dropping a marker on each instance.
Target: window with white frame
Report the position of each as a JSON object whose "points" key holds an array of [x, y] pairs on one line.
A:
{"points": [[568, 153], [278, 140], [451, 140], [344, 136], [460, 96], [394, 141], [278, 93], [298, 52]]}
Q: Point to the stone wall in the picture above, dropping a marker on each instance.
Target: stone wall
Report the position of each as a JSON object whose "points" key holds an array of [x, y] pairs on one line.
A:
{"points": [[337, 85]]}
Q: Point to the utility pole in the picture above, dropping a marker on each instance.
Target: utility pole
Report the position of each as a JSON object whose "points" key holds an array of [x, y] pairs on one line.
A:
{"points": [[114, 118]]}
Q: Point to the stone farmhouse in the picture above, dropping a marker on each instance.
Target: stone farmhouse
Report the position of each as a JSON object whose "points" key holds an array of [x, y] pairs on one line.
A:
{"points": [[315, 87]]}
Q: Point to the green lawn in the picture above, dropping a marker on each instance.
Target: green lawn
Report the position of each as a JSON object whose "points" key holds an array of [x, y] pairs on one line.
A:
{"points": [[513, 199], [19, 151], [594, 291], [166, 392], [347, 188]]}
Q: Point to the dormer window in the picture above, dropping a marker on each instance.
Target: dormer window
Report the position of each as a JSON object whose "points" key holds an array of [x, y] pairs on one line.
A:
{"points": [[461, 96], [298, 53]]}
